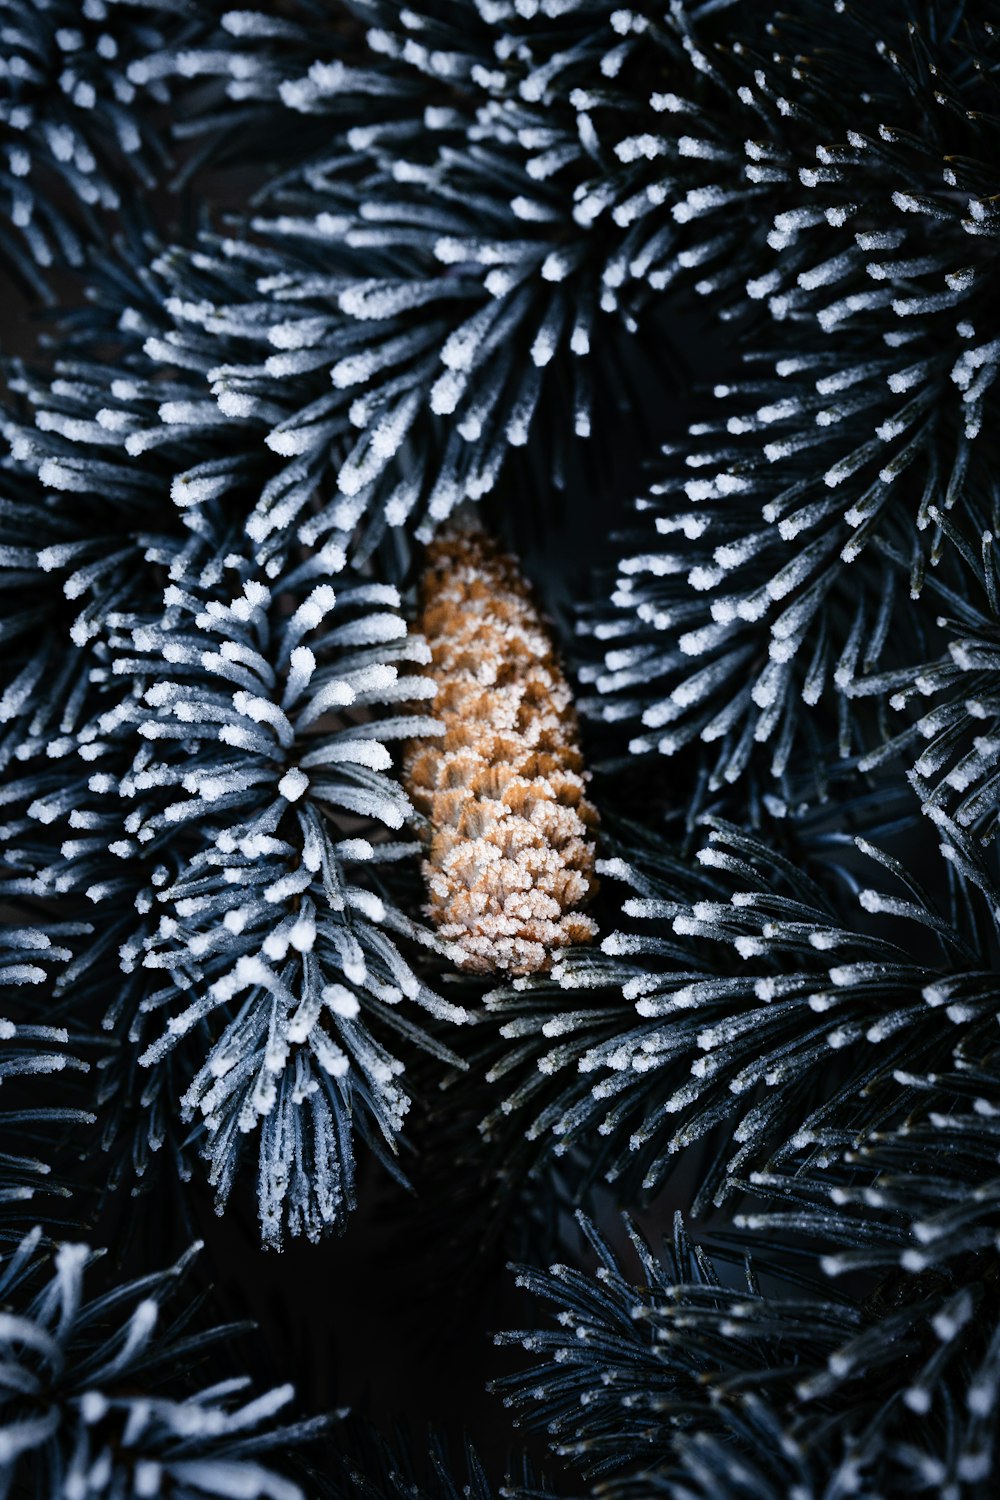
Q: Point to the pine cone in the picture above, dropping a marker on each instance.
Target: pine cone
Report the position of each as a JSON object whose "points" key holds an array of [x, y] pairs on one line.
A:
{"points": [[511, 852]]}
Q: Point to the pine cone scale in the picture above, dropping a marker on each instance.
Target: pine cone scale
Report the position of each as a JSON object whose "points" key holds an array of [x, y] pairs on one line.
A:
{"points": [[511, 853]]}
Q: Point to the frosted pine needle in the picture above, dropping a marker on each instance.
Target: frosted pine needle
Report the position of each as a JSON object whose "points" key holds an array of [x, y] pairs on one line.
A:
{"points": [[511, 853]]}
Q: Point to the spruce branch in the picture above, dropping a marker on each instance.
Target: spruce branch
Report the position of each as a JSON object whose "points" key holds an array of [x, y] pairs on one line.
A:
{"points": [[99, 1397], [266, 933], [633, 1370], [216, 808], [742, 995], [30, 954], [76, 134], [858, 424], [683, 1383], [397, 1467], [951, 743]]}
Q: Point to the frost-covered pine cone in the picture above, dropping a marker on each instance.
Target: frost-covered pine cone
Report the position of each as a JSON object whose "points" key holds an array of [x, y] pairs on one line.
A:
{"points": [[511, 853]]}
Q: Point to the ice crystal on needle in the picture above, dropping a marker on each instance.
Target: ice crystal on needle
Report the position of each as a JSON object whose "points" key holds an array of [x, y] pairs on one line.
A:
{"points": [[511, 856]]}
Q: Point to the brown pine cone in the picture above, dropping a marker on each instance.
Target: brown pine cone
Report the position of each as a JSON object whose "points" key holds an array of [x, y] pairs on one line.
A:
{"points": [[511, 850]]}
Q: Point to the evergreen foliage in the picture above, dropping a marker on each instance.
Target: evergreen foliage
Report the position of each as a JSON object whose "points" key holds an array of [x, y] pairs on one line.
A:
{"points": [[28, 1051], [741, 977], [72, 1421], [378, 1468], [77, 131], [313, 278], [211, 778]]}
